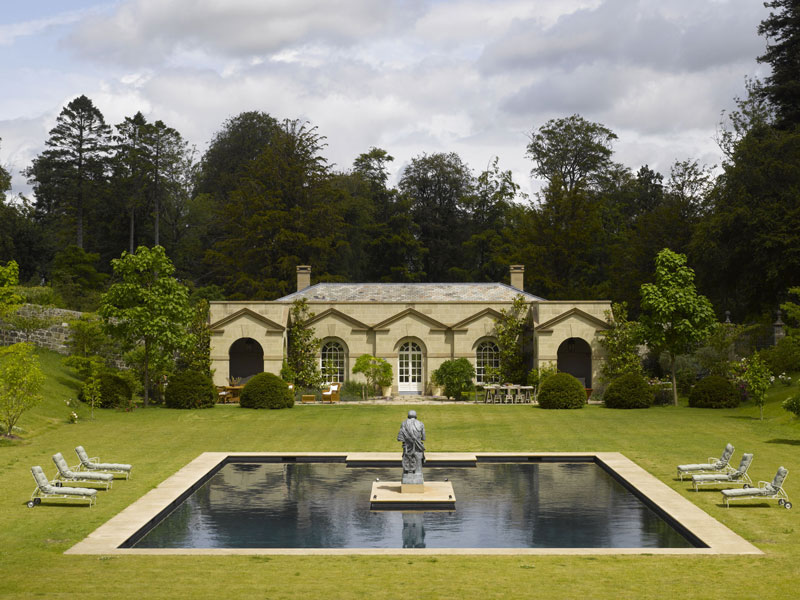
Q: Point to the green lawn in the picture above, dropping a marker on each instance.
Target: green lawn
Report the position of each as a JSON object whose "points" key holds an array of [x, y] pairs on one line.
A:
{"points": [[160, 441]]}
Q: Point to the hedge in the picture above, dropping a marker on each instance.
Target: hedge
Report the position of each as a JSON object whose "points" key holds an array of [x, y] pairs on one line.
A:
{"points": [[562, 390], [714, 392], [266, 390], [190, 389], [630, 390]]}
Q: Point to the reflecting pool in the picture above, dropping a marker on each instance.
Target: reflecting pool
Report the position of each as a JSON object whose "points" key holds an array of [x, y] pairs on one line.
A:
{"points": [[326, 505]]}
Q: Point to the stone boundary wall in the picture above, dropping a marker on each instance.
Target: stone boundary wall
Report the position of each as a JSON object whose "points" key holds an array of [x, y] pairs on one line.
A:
{"points": [[54, 337]]}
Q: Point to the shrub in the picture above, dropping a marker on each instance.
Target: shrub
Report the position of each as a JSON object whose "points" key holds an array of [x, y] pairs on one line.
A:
{"points": [[190, 389], [455, 376], [793, 404], [266, 390], [562, 390], [714, 392], [784, 357], [115, 390], [377, 371], [628, 391], [354, 390]]}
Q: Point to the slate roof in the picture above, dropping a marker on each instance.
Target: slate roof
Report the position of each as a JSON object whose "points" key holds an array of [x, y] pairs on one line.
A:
{"points": [[410, 292]]}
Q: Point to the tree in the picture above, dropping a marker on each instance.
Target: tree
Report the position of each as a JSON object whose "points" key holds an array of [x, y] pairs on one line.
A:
{"points": [[376, 371], [455, 376], [620, 343], [674, 316], [303, 347], [509, 329], [570, 152], [130, 165], [754, 374], [437, 187], [147, 307], [21, 379], [9, 279], [166, 149], [66, 175], [5, 181], [75, 277], [283, 212], [782, 86]]}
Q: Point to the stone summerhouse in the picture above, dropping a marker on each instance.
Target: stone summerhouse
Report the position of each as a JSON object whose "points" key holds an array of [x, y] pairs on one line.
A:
{"points": [[414, 326]]}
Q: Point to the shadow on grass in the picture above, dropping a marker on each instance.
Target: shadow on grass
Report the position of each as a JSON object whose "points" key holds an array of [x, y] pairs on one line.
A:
{"points": [[783, 441]]}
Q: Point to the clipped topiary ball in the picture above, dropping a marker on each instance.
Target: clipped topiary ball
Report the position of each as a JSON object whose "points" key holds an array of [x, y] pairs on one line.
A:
{"points": [[562, 390], [266, 390], [190, 389], [714, 392], [628, 391]]}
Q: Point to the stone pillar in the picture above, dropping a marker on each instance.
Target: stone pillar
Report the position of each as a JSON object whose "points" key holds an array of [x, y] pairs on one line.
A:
{"points": [[778, 332], [303, 277], [518, 276]]}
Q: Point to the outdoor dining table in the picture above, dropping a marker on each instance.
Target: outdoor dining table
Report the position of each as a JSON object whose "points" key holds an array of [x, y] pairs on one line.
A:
{"points": [[508, 394]]}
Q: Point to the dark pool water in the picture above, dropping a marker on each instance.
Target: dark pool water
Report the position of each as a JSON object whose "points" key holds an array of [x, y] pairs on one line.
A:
{"points": [[324, 505]]}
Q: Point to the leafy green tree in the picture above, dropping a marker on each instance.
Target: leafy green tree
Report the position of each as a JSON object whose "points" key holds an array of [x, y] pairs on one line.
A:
{"points": [[21, 380], [754, 373], [282, 213], [675, 318], [621, 343], [377, 371], [782, 86], [146, 307], [303, 347], [509, 331], [130, 168], [438, 187], [792, 309], [5, 181], [455, 376], [9, 279], [66, 177], [745, 248], [570, 152], [75, 277]]}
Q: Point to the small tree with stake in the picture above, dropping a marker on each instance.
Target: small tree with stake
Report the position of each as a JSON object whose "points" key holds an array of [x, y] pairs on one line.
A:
{"points": [[20, 381], [674, 316]]}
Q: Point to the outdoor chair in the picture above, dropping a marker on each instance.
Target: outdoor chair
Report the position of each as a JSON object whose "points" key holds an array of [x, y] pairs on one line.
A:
{"points": [[52, 490], [94, 464], [714, 465], [332, 393], [766, 490], [65, 474], [737, 477]]}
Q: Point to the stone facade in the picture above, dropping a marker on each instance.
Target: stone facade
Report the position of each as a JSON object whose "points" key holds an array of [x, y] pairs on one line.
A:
{"points": [[415, 327]]}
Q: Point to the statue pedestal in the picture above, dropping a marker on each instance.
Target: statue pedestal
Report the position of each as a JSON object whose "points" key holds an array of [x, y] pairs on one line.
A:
{"points": [[412, 483], [392, 495]]}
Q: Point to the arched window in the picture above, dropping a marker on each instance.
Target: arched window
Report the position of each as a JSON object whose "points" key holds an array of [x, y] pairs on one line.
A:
{"points": [[487, 357], [333, 362]]}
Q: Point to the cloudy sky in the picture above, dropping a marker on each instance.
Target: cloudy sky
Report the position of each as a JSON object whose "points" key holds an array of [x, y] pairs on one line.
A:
{"points": [[410, 76]]}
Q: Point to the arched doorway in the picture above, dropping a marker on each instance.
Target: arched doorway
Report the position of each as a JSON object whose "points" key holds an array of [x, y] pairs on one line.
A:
{"points": [[575, 358], [245, 359], [409, 369]]}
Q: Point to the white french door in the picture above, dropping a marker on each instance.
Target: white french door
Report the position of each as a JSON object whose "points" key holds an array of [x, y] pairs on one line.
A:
{"points": [[409, 369]]}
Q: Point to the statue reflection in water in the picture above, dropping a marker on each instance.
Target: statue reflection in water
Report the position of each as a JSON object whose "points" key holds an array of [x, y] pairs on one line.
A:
{"points": [[413, 530]]}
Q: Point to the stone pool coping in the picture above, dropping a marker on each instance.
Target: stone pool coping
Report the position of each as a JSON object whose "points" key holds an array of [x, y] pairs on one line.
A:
{"points": [[107, 538]]}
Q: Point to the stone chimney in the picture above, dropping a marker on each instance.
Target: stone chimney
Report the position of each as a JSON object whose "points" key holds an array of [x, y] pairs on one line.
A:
{"points": [[518, 277], [303, 277]]}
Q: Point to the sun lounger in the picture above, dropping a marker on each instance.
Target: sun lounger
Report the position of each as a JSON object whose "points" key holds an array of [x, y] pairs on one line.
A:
{"points": [[737, 477], [714, 465], [65, 474], [52, 490], [94, 464], [766, 490]]}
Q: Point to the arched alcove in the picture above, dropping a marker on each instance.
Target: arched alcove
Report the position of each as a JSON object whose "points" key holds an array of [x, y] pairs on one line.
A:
{"points": [[575, 358], [245, 358]]}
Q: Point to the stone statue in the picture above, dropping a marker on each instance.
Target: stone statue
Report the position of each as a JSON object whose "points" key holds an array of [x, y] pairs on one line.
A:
{"points": [[412, 434]]}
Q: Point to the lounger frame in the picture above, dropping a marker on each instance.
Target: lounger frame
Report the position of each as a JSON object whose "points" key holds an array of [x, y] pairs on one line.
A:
{"points": [[39, 494], [93, 464], [780, 495]]}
